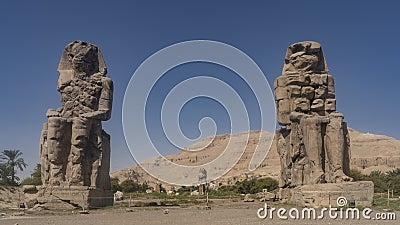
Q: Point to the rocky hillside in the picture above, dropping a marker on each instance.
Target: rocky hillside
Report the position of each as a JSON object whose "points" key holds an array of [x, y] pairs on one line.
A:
{"points": [[371, 152], [368, 152]]}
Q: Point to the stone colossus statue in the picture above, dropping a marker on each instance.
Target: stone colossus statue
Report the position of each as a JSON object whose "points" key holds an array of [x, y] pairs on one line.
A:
{"points": [[313, 142], [75, 150]]}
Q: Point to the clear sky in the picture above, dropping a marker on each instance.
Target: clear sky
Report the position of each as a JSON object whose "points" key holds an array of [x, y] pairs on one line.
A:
{"points": [[360, 40]]}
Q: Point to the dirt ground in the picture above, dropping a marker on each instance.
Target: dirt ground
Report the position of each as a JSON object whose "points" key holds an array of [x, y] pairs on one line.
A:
{"points": [[232, 214]]}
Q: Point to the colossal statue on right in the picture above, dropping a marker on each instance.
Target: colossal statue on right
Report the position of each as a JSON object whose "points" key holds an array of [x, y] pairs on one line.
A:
{"points": [[313, 142]]}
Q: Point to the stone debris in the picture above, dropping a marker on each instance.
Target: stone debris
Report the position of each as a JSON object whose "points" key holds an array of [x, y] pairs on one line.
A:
{"points": [[39, 207], [319, 195], [118, 196], [18, 214], [267, 196], [194, 193], [129, 210], [30, 189], [247, 198]]}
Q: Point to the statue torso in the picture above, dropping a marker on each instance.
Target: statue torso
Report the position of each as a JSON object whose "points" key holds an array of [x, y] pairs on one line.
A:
{"points": [[80, 96]]}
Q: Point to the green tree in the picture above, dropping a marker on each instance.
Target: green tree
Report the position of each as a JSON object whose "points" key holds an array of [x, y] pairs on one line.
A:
{"points": [[5, 172], [144, 187], [36, 177], [129, 186], [13, 159], [115, 184], [264, 183], [245, 186], [254, 185], [382, 181], [183, 189], [356, 175], [392, 179], [378, 178]]}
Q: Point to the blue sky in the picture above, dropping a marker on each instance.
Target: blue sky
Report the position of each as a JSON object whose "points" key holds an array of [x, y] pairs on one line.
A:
{"points": [[359, 38]]}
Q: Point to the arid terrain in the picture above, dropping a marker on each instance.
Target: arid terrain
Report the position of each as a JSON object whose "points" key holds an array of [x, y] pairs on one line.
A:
{"points": [[231, 213], [369, 152]]}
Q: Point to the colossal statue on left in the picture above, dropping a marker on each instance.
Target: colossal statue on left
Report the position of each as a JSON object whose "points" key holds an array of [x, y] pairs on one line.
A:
{"points": [[74, 149]]}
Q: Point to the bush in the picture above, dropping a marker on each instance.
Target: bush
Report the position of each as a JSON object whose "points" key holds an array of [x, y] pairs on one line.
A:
{"points": [[356, 175], [184, 189], [228, 189], [257, 185], [115, 185], [129, 186], [265, 183], [223, 192], [382, 181], [246, 186], [36, 177]]}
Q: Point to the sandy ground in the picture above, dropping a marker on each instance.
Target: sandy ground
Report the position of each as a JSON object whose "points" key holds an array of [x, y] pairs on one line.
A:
{"points": [[235, 213]]}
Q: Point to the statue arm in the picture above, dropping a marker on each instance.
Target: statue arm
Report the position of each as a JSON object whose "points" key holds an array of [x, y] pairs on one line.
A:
{"points": [[52, 113], [105, 102], [106, 98]]}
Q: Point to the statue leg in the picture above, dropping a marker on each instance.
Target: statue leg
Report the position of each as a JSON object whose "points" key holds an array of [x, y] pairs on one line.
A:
{"points": [[296, 164], [335, 144], [295, 159], [104, 162], [283, 151], [311, 129], [95, 153], [57, 149], [79, 146], [44, 156]]}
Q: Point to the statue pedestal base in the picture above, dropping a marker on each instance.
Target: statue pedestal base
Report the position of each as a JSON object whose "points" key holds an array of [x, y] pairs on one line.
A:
{"points": [[324, 195], [59, 197]]}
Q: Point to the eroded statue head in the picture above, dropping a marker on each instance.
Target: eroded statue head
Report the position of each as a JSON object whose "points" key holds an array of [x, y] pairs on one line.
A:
{"points": [[304, 57]]}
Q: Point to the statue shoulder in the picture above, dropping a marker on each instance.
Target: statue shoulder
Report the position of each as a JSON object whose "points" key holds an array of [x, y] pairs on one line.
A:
{"points": [[107, 82]]}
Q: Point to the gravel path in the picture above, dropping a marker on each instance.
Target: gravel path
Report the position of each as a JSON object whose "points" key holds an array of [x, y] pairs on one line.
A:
{"points": [[238, 213]]}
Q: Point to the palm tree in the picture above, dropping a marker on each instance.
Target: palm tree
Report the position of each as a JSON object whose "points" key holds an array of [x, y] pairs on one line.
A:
{"points": [[13, 159], [4, 174]]}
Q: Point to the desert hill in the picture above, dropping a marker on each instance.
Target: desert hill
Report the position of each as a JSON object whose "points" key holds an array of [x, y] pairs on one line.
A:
{"points": [[369, 152]]}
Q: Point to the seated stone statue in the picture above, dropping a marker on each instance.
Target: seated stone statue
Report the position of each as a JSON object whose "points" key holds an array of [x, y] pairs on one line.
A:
{"points": [[313, 144], [75, 150]]}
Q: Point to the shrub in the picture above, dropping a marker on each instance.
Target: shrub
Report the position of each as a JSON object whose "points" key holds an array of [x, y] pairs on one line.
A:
{"points": [[36, 177], [129, 186], [257, 185], [382, 181], [115, 185]]}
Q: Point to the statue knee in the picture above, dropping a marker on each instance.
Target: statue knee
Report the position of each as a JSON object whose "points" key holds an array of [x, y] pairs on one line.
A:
{"points": [[55, 128], [79, 141]]}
